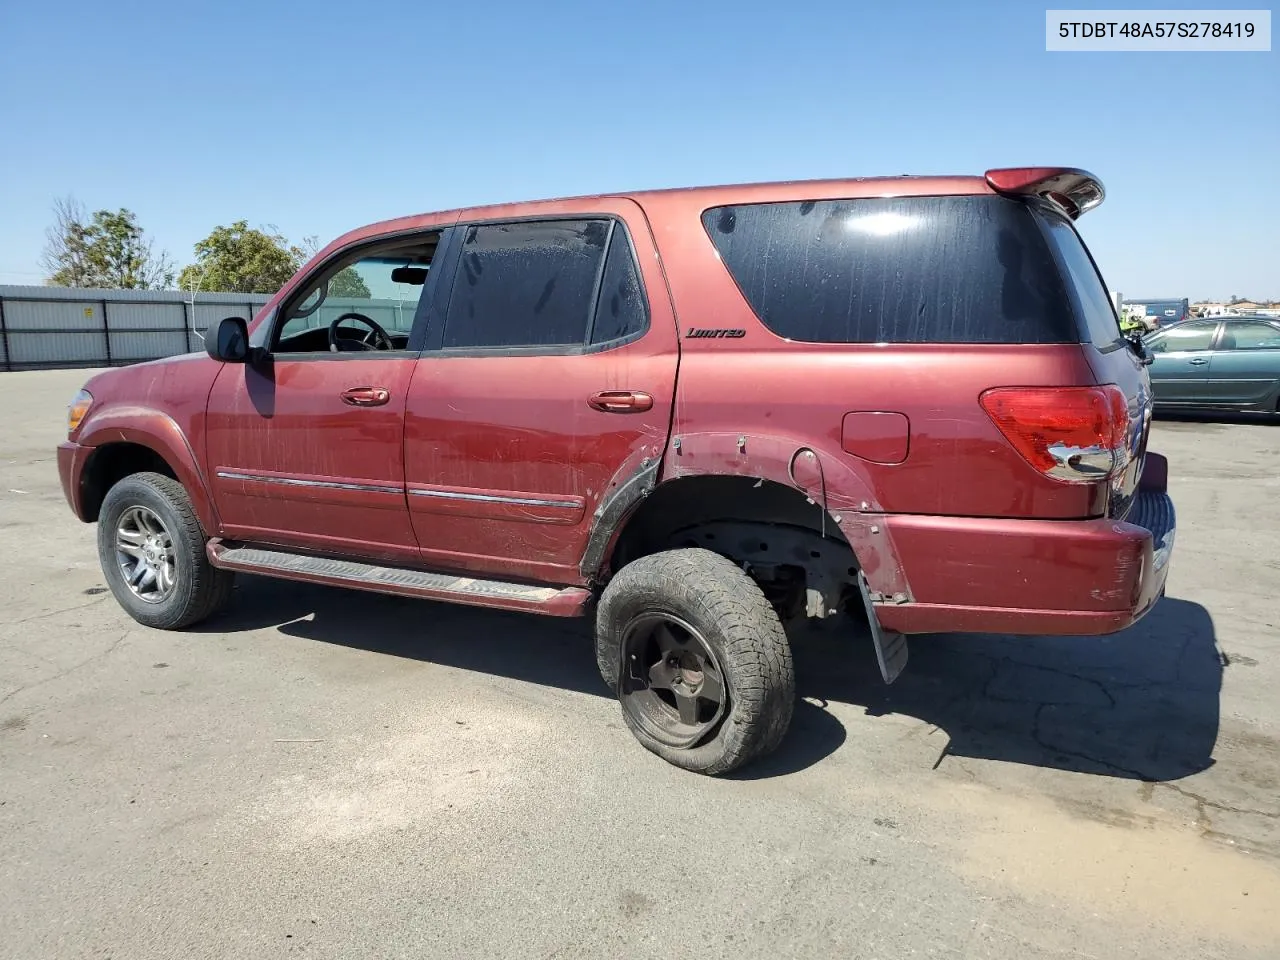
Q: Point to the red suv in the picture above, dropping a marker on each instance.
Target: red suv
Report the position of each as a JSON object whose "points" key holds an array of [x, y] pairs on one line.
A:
{"points": [[694, 414]]}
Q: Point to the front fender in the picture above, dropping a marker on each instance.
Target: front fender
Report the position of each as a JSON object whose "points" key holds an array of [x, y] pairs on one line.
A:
{"points": [[161, 434], [829, 479]]}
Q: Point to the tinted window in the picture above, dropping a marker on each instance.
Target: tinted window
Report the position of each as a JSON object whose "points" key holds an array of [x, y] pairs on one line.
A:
{"points": [[1092, 302], [1250, 336], [525, 284], [898, 270], [621, 310], [1193, 336]]}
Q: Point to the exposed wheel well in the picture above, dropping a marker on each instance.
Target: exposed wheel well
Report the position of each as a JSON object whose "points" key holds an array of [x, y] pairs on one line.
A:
{"points": [[790, 545], [110, 464]]}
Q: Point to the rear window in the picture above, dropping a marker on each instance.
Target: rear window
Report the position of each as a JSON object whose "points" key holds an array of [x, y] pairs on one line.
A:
{"points": [[896, 270]]}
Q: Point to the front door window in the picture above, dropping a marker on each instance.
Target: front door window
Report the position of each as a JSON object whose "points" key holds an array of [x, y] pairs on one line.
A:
{"points": [[366, 302]]}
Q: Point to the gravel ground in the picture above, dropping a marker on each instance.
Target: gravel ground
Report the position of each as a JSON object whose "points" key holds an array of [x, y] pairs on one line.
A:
{"points": [[333, 774]]}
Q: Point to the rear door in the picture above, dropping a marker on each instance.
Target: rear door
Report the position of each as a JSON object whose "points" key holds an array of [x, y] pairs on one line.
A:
{"points": [[547, 381], [1245, 367], [1180, 372]]}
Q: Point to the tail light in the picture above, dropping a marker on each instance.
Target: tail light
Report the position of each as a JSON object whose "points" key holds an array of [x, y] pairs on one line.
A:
{"points": [[1073, 434]]}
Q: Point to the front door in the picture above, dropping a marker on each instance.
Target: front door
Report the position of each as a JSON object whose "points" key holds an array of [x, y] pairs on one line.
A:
{"points": [[1180, 368], [305, 446], [547, 380]]}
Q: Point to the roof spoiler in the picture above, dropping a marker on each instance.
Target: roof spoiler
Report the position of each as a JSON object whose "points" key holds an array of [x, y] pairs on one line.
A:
{"points": [[1075, 191]]}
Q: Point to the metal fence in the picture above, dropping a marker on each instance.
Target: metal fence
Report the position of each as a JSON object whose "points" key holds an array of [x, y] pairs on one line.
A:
{"points": [[45, 328]]}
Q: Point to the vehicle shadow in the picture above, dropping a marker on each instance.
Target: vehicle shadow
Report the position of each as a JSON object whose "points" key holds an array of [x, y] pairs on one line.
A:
{"points": [[1142, 704]]}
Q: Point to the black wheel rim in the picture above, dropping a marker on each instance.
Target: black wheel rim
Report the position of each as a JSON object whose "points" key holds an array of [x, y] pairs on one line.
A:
{"points": [[671, 684]]}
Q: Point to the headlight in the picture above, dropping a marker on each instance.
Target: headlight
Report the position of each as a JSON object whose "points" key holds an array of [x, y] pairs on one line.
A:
{"points": [[79, 407]]}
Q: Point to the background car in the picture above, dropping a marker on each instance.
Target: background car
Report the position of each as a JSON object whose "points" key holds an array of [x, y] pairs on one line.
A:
{"points": [[1162, 313], [1230, 363]]}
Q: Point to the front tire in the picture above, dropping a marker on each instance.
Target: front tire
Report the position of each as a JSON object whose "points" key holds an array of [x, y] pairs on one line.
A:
{"points": [[152, 552], [698, 659]]}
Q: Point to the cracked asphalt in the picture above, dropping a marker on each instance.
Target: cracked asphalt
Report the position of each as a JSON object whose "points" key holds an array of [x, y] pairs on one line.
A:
{"points": [[330, 774]]}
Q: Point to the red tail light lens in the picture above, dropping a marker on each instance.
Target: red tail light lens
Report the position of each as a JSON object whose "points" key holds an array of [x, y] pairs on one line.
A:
{"points": [[1074, 434]]}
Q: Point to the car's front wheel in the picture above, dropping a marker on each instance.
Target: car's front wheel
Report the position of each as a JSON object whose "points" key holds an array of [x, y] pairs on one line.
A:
{"points": [[698, 659], [152, 552]]}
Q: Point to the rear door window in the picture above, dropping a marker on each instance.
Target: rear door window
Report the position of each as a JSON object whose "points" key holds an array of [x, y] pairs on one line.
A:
{"points": [[526, 284], [972, 269], [621, 309], [1246, 335]]}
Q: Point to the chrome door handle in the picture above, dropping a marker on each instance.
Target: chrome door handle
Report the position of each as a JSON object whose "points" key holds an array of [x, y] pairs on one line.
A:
{"points": [[621, 401], [366, 396], [1198, 361]]}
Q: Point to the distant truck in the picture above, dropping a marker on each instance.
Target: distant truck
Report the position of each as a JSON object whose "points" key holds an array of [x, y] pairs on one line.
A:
{"points": [[1161, 313]]}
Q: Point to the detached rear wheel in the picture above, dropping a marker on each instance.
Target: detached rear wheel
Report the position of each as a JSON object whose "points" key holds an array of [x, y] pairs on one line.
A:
{"points": [[152, 552], [697, 658]]}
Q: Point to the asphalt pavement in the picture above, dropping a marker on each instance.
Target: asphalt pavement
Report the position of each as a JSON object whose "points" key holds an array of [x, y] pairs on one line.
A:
{"points": [[330, 774]]}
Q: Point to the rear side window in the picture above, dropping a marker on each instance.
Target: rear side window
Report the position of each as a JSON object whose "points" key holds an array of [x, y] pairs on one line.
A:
{"points": [[621, 310], [1241, 335], [1092, 302], [526, 284], [896, 270]]}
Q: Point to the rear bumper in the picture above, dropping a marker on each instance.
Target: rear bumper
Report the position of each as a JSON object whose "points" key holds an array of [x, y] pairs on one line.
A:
{"points": [[1032, 576], [71, 460]]}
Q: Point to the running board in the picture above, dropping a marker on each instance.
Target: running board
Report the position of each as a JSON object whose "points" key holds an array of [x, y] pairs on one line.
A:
{"points": [[399, 581]]}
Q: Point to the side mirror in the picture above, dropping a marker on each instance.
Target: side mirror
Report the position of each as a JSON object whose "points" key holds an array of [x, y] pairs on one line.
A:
{"points": [[1139, 347], [229, 341]]}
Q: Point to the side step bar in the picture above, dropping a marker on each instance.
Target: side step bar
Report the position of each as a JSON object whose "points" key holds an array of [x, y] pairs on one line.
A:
{"points": [[400, 581]]}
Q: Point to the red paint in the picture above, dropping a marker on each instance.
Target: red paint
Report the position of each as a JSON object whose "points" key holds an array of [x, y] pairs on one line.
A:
{"points": [[876, 436], [937, 503], [288, 419]]}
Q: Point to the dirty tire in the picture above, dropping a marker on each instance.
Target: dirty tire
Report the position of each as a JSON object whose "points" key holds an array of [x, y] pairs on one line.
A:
{"points": [[743, 631], [199, 588]]}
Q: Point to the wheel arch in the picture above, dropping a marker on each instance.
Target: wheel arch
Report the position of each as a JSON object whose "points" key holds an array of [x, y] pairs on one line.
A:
{"points": [[127, 442], [759, 479]]}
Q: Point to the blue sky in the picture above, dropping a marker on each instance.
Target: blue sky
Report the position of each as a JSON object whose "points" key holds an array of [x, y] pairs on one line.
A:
{"points": [[321, 116]]}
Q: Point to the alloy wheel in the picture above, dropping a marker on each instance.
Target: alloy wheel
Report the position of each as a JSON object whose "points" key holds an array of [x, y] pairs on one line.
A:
{"points": [[145, 554]]}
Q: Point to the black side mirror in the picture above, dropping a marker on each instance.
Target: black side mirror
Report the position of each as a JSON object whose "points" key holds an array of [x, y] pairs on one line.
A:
{"points": [[1139, 348], [229, 341]]}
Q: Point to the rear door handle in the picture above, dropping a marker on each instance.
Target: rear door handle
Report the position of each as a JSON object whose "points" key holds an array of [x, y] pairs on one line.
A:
{"points": [[621, 401], [366, 396], [1198, 361]]}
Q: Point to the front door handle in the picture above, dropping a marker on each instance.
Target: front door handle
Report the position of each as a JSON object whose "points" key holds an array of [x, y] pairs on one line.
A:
{"points": [[621, 401], [1198, 361], [366, 396]]}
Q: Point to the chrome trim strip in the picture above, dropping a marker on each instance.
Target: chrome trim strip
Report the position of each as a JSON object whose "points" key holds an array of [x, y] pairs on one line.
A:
{"points": [[490, 498], [294, 482]]}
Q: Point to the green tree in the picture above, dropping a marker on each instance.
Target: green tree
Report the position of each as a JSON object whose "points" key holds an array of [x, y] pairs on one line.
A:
{"points": [[239, 259], [108, 250], [348, 283]]}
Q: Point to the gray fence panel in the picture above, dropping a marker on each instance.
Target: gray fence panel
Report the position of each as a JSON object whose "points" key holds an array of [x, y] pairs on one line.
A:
{"points": [[52, 315], [45, 349], [147, 345], [61, 327], [135, 317]]}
